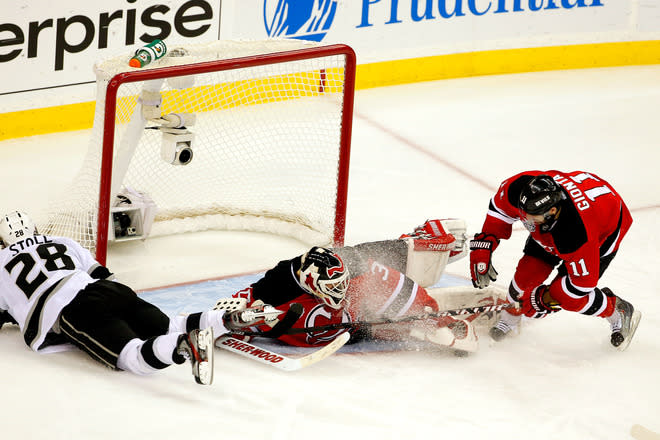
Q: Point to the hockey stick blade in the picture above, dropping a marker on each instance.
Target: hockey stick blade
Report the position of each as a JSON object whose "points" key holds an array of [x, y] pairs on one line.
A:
{"points": [[276, 360]]}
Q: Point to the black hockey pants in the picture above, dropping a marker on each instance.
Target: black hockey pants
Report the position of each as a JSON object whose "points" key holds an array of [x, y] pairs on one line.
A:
{"points": [[105, 316]]}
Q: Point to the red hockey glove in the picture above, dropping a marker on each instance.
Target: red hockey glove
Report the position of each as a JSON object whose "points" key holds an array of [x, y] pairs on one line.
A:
{"points": [[539, 303], [481, 267]]}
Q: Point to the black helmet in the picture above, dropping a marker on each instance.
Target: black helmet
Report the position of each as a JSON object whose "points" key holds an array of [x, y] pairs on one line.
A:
{"points": [[539, 195]]}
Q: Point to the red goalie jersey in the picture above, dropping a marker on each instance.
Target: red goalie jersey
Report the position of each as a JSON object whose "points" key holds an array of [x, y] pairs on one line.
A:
{"points": [[592, 222], [378, 292]]}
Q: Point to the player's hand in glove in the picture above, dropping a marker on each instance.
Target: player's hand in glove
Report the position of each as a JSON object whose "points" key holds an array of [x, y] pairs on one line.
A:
{"points": [[258, 313], [539, 303], [481, 266]]}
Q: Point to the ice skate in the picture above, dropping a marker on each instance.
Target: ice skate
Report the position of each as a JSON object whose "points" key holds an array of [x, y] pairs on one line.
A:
{"points": [[197, 347], [623, 329], [505, 325]]}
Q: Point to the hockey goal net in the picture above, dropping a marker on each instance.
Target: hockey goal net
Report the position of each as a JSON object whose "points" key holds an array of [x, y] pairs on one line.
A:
{"points": [[266, 124]]}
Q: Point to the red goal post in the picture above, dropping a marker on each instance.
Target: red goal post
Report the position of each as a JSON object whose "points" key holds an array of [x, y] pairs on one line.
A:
{"points": [[271, 143]]}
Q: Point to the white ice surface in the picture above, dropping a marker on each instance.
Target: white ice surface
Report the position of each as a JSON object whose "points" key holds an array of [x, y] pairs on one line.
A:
{"points": [[429, 150]]}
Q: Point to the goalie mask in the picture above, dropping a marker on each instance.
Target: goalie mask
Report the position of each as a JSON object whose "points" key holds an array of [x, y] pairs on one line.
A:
{"points": [[16, 226], [323, 274]]}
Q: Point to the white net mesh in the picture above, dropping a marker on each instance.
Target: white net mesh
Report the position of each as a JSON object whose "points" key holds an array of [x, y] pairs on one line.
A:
{"points": [[266, 146]]}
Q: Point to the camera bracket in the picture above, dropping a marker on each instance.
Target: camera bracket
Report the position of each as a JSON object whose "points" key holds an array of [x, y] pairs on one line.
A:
{"points": [[176, 147]]}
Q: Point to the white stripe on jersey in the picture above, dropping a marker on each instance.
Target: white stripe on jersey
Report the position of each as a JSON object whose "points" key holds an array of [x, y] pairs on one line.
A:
{"points": [[614, 244], [569, 288], [593, 297], [499, 214], [393, 296], [409, 303]]}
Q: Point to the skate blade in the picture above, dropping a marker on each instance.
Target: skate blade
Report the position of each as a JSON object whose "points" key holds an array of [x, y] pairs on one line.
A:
{"points": [[204, 374], [634, 322]]}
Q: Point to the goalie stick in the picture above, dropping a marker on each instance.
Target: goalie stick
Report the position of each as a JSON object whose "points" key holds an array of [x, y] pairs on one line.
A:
{"points": [[280, 361], [362, 324], [295, 311], [243, 348]]}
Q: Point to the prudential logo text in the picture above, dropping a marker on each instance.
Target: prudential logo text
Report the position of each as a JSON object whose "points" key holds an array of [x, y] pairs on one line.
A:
{"points": [[299, 19]]}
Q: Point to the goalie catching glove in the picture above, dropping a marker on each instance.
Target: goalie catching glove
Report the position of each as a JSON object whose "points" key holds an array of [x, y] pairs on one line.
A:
{"points": [[481, 265], [257, 314]]}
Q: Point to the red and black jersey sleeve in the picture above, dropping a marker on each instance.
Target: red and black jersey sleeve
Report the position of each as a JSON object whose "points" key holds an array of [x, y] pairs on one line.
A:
{"points": [[279, 285], [503, 206]]}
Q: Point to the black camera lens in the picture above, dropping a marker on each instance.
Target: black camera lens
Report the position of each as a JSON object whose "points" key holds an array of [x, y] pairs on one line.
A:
{"points": [[121, 222], [185, 156]]}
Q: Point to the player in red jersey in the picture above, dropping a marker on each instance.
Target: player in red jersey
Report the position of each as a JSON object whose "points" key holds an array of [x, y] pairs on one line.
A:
{"points": [[364, 283], [576, 222]]}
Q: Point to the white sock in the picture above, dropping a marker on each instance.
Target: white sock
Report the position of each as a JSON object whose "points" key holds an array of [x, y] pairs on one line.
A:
{"points": [[178, 324], [210, 318], [164, 347], [133, 359], [213, 318]]}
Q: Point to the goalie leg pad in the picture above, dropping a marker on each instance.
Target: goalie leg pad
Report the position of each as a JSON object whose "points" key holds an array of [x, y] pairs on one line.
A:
{"points": [[425, 267]]}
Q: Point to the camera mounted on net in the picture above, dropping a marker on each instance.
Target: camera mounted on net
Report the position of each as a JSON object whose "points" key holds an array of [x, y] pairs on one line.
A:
{"points": [[176, 147], [123, 225], [133, 214]]}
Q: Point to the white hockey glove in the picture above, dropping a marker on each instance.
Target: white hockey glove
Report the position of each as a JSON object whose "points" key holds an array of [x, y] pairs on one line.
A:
{"points": [[258, 313]]}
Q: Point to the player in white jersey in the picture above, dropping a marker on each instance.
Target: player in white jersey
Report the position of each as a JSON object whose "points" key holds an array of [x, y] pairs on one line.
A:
{"points": [[58, 293]]}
